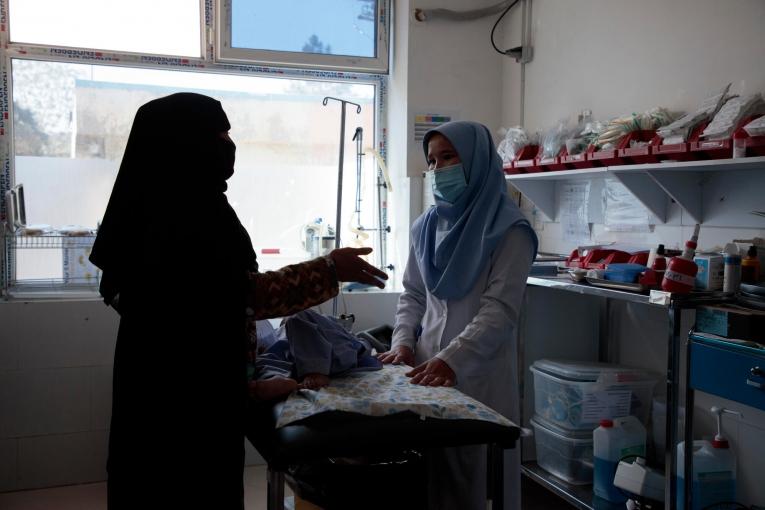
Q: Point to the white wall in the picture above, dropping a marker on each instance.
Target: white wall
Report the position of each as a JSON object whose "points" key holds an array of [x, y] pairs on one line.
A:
{"points": [[620, 56]]}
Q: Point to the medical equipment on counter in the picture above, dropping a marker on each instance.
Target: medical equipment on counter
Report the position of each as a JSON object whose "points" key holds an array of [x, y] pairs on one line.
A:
{"points": [[612, 441], [681, 271], [317, 237], [714, 469], [645, 485]]}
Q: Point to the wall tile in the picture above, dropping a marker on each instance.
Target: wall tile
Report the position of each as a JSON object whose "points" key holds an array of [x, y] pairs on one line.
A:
{"points": [[72, 334], [8, 464], [45, 401], [101, 397], [47, 461]]}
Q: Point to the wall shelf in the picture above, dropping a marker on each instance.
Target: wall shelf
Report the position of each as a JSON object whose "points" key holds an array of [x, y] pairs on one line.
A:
{"points": [[719, 192]]}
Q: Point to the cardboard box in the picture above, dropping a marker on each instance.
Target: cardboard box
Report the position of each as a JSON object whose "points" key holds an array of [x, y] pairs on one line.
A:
{"points": [[731, 321], [711, 271]]}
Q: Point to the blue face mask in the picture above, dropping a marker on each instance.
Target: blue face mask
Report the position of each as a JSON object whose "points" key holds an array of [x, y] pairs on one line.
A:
{"points": [[449, 183]]}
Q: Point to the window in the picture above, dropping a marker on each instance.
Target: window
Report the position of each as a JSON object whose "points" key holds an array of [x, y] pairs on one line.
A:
{"points": [[113, 25], [328, 34], [71, 116]]}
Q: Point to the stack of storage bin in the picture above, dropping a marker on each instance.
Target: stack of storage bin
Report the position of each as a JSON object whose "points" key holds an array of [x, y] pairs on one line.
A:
{"points": [[570, 399]]}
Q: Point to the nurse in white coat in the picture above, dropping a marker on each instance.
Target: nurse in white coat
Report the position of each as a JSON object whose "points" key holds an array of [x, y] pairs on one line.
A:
{"points": [[463, 287]]}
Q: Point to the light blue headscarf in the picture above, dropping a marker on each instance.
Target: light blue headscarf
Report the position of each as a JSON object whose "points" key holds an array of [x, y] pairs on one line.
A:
{"points": [[453, 242]]}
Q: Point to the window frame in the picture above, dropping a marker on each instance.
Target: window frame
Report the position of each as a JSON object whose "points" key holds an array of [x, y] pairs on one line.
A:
{"points": [[205, 64], [225, 52]]}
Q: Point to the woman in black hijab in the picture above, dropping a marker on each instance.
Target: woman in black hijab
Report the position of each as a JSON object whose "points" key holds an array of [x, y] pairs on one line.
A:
{"points": [[180, 269]]}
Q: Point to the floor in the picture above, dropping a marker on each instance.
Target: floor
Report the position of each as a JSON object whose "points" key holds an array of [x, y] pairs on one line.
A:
{"points": [[93, 496]]}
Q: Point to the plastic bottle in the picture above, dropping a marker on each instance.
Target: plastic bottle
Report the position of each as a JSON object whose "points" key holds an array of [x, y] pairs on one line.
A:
{"points": [[714, 470], [659, 263], [732, 268], [681, 271], [750, 266], [614, 440]]}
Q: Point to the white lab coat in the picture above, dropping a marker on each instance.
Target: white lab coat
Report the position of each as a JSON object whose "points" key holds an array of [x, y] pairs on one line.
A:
{"points": [[475, 336]]}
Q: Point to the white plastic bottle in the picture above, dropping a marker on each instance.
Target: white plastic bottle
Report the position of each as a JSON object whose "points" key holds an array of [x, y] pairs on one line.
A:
{"points": [[612, 441], [714, 470]]}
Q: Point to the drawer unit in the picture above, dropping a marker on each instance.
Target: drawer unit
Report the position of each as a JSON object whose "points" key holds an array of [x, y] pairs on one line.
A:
{"points": [[728, 370]]}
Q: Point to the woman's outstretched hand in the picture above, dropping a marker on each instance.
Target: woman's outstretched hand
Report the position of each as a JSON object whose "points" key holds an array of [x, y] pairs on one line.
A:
{"points": [[350, 267], [398, 355], [433, 372]]}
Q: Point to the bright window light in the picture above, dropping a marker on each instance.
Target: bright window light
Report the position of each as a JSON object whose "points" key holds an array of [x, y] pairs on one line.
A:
{"points": [[339, 27], [165, 27], [71, 124], [342, 35]]}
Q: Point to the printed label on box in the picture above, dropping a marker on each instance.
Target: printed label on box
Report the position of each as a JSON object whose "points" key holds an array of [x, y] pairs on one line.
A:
{"points": [[612, 403], [77, 267]]}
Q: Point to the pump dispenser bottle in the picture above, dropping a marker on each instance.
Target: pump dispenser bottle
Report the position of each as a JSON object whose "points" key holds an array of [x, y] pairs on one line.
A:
{"points": [[714, 469]]}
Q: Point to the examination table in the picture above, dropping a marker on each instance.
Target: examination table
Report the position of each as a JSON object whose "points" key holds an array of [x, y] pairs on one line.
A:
{"points": [[345, 434]]}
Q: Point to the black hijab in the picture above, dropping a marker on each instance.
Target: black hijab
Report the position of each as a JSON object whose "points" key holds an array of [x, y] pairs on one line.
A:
{"points": [[168, 199]]}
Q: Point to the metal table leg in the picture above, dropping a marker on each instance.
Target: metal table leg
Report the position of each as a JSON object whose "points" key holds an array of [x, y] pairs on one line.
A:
{"points": [[275, 489]]}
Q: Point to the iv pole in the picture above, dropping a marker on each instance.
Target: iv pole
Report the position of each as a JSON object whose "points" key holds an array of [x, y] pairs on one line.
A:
{"points": [[340, 176]]}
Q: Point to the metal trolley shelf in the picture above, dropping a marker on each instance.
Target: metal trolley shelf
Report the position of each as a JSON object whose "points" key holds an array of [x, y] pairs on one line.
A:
{"points": [[47, 241], [67, 252], [581, 496]]}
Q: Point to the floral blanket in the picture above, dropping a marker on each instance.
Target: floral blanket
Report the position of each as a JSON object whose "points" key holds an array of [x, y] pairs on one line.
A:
{"points": [[384, 392]]}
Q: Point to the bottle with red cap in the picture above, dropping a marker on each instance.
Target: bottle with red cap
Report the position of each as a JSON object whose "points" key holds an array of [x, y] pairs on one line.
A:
{"points": [[681, 271]]}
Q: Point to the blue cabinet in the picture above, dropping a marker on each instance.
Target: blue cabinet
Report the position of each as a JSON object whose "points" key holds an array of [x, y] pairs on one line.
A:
{"points": [[728, 370]]}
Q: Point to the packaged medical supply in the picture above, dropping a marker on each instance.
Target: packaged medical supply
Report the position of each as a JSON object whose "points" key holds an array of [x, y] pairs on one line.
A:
{"points": [[617, 128], [731, 114], [577, 395], [613, 441], [565, 453], [679, 130], [515, 139], [756, 127], [714, 470], [710, 271]]}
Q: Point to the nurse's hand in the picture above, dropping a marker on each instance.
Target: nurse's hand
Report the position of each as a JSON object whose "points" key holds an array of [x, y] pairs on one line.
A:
{"points": [[398, 355], [434, 372], [350, 267]]}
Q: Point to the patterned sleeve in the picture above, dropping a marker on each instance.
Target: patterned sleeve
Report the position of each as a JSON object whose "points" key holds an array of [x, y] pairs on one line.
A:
{"points": [[291, 289]]}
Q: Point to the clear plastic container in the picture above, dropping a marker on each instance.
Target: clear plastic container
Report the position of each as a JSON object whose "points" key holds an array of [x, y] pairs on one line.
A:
{"points": [[564, 453], [577, 395]]}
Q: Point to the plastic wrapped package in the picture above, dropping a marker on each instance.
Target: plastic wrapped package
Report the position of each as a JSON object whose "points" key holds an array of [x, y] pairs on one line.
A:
{"points": [[585, 134], [679, 130], [620, 127], [731, 114], [555, 138], [515, 139], [756, 127]]}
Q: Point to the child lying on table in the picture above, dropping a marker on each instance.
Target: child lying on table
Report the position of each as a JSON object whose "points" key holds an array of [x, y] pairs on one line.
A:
{"points": [[306, 350]]}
